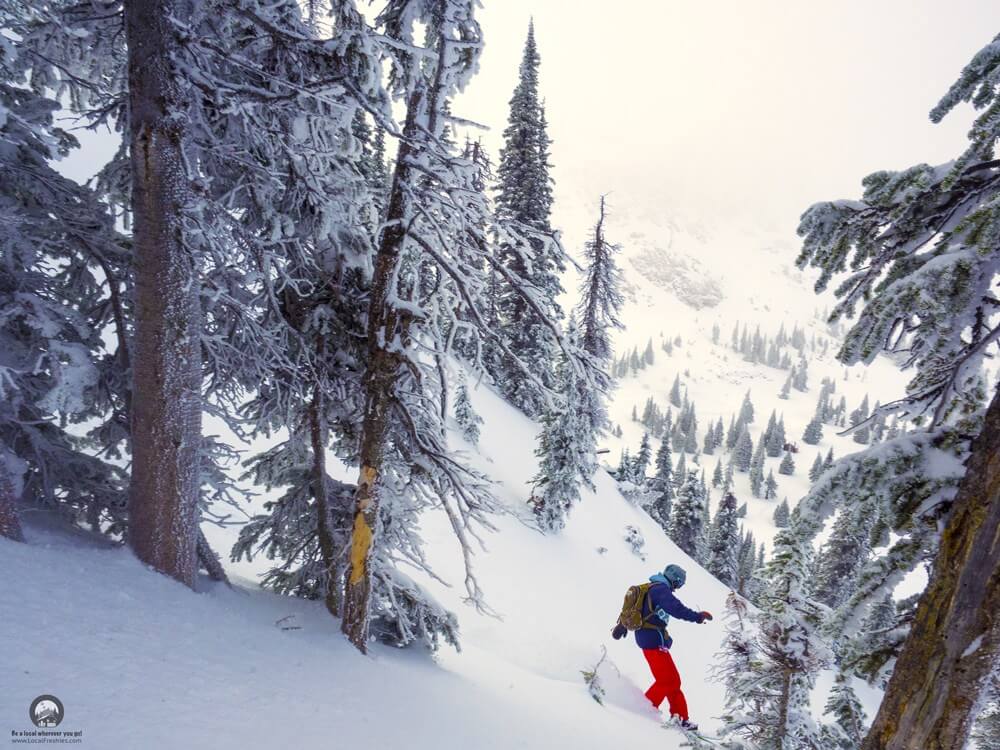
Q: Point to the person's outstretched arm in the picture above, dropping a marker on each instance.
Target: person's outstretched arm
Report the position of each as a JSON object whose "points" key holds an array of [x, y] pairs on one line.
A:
{"points": [[665, 600]]}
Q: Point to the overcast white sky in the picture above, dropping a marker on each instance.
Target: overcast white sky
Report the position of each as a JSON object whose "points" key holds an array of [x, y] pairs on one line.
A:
{"points": [[762, 106]]}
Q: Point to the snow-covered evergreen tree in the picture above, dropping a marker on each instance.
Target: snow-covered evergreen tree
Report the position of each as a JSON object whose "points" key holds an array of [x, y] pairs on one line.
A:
{"points": [[717, 475], [770, 486], [772, 663], [817, 468], [849, 722], [687, 519], [566, 457], [662, 487], [680, 470], [640, 464], [600, 303], [786, 389], [431, 253], [814, 431], [732, 434], [787, 465], [743, 452], [63, 274], [466, 417], [675, 392], [746, 410], [524, 200], [920, 250], [723, 542], [871, 648], [772, 422], [757, 470], [781, 514], [746, 562], [842, 556], [776, 439]]}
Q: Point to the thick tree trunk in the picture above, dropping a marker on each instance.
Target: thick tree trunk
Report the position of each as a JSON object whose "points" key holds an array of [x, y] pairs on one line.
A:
{"points": [[955, 640], [388, 328], [10, 524], [166, 379]]}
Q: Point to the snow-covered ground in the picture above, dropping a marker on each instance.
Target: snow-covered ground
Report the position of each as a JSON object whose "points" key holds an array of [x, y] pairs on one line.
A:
{"points": [[140, 662]]}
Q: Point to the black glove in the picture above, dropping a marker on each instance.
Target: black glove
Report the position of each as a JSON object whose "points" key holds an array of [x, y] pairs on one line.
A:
{"points": [[619, 632]]}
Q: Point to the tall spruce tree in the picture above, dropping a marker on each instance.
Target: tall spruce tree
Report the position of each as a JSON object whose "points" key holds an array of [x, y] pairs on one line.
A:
{"points": [[167, 356], [600, 303], [264, 216], [524, 199]]}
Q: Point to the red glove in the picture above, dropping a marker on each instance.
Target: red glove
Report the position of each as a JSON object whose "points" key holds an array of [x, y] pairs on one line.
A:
{"points": [[705, 616]]}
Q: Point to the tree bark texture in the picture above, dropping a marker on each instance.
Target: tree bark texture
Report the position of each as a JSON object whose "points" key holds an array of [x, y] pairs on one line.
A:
{"points": [[10, 524], [166, 379], [388, 330], [955, 640], [324, 524]]}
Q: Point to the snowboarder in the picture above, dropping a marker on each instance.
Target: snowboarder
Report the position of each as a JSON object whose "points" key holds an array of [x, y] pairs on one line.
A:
{"points": [[657, 607]]}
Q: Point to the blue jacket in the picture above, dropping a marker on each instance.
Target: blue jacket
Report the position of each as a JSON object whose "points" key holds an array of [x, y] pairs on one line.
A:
{"points": [[662, 604]]}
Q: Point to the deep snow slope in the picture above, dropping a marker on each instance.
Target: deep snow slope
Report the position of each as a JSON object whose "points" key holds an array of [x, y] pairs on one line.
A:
{"points": [[140, 662], [682, 278]]}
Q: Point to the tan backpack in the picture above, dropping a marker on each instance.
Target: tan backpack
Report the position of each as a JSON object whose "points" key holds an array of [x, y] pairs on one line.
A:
{"points": [[631, 616]]}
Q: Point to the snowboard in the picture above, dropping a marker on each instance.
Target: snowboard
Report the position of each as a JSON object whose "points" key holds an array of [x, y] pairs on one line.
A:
{"points": [[696, 739]]}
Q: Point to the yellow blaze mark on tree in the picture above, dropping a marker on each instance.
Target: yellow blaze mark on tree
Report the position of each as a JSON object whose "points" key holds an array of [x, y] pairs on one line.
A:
{"points": [[368, 474], [361, 541], [361, 536]]}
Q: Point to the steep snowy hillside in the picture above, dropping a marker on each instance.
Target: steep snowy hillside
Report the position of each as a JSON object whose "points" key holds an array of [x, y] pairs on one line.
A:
{"points": [[133, 655], [276, 671], [683, 279]]}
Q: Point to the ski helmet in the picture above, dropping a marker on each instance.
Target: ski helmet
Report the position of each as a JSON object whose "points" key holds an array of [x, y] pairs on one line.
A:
{"points": [[675, 575]]}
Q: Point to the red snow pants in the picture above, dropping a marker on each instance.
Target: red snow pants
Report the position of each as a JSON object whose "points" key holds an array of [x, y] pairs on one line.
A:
{"points": [[667, 682]]}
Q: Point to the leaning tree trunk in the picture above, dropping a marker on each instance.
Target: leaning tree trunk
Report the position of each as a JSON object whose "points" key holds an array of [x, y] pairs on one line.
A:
{"points": [[955, 640], [166, 376], [209, 560], [388, 329], [324, 526]]}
